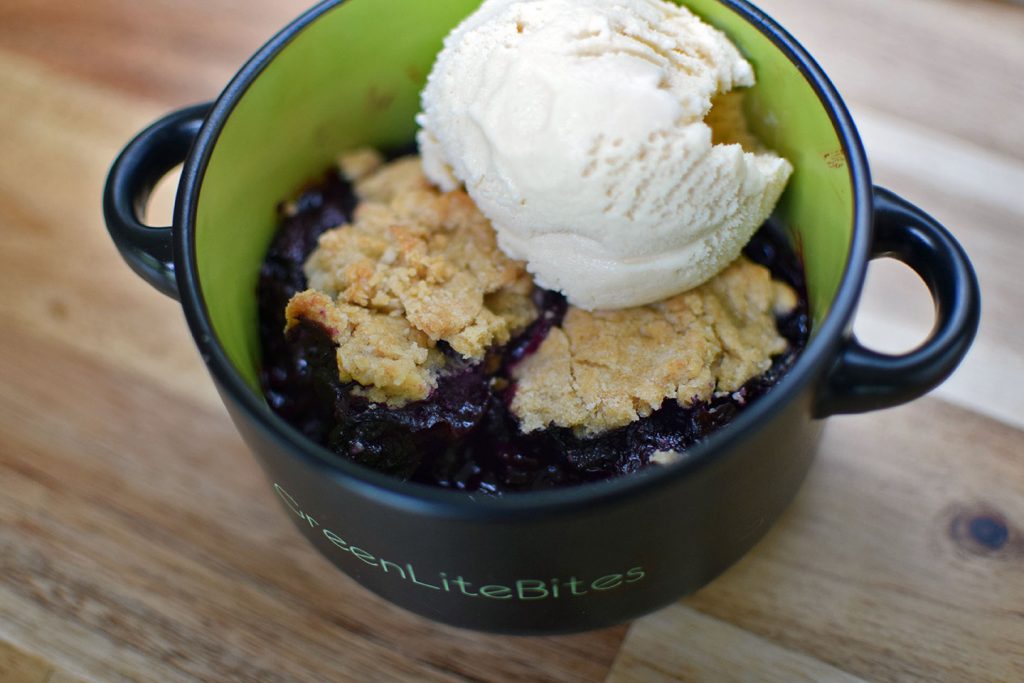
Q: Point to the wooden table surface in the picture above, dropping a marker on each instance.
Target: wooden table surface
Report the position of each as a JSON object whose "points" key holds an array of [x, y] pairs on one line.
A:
{"points": [[139, 540]]}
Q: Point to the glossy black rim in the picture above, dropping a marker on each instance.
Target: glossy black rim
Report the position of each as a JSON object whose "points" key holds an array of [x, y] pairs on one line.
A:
{"points": [[423, 499]]}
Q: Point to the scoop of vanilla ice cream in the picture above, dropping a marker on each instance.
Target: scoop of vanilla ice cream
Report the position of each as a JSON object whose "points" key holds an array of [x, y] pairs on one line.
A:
{"points": [[577, 126]]}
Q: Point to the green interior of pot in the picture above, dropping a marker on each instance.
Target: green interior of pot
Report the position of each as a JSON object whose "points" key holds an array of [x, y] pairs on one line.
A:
{"points": [[352, 78]]}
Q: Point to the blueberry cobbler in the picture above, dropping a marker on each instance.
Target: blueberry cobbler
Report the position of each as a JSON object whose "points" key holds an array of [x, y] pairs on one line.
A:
{"points": [[397, 334], [571, 280]]}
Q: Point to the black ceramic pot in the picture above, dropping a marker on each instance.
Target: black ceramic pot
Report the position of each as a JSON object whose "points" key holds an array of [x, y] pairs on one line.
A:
{"points": [[348, 74]]}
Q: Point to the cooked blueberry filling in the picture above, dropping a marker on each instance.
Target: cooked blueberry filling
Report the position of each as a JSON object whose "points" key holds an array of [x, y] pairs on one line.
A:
{"points": [[464, 436]]}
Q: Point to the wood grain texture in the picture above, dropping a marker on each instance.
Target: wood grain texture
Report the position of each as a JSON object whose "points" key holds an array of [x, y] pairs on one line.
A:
{"points": [[19, 667], [680, 643], [138, 540]]}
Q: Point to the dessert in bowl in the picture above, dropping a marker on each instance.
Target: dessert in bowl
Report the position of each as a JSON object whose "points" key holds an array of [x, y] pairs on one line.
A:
{"points": [[349, 75], [555, 293], [407, 341]]}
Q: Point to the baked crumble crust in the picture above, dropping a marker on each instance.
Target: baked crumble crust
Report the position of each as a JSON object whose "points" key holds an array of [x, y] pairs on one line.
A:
{"points": [[728, 123], [606, 369], [359, 163], [415, 268], [385, 355], [390, 181]]}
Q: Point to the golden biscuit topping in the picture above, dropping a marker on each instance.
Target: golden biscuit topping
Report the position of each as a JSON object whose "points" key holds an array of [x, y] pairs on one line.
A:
{"points": [[728, 123], [359, 163], [415, 268], [605, 369]]}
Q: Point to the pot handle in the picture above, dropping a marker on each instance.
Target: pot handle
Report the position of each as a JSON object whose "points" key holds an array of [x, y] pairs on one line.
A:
{"points": [[863, 380], [140, 166]]}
